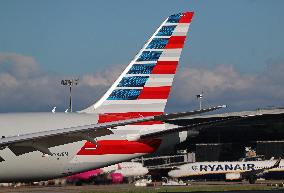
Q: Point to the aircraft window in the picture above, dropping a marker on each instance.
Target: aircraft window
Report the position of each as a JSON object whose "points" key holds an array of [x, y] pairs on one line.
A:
{"points": [[134, 81], [174, 18], [141, 69], [158, 43], [149, 56], [124, 94], [166, 30]]}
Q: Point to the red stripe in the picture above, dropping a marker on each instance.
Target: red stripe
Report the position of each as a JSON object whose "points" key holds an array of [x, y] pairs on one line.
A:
{"points": [[164, 67], [175, 42], [155, 92], [186, 18], [109, 117], [149, 123], [120, 147]]}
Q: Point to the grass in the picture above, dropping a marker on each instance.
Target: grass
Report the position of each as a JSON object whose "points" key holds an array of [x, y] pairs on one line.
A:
{"points": [[194, 188], [130, 188]]}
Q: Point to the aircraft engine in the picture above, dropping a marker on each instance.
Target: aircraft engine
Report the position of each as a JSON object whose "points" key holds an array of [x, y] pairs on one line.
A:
{"points": [[233, 176]]}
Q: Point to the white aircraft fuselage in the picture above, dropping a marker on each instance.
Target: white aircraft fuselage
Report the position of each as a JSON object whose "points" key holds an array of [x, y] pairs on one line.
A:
{"points": [[68, 159], [236, 167]]}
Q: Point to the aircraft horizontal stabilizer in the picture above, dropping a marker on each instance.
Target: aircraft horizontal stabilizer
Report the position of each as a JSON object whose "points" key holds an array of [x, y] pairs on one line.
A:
{"points": [[192, 127], [25, 143]]}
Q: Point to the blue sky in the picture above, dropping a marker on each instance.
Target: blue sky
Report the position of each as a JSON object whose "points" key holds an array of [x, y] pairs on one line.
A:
{"points": [[75, 38]]}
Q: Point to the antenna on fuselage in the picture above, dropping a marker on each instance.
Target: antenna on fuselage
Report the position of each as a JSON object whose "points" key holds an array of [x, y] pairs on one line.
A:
{"points": [[53, 110]]}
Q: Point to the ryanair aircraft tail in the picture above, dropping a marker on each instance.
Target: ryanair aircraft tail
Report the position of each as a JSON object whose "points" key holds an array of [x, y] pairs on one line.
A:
{"points": [[143, 87]]}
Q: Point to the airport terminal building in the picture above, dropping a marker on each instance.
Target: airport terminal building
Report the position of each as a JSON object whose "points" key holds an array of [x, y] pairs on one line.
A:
{"points": [[227, 141]]}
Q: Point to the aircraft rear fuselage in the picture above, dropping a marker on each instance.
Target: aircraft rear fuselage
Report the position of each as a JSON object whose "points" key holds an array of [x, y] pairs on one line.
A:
{"points": [[72, 157]]}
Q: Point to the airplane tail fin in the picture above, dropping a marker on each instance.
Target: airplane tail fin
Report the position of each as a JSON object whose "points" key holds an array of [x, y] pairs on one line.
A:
{"points": [[143, 87]]}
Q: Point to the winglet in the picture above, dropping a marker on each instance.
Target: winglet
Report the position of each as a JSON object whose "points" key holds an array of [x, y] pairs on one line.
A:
{"points": [[277, 163]]}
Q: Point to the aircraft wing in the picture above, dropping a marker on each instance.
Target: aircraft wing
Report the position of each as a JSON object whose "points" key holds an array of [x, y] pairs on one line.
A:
{"points": [[194, 124], [191, 127], [241, 119], [43, 140], [262, 171]]}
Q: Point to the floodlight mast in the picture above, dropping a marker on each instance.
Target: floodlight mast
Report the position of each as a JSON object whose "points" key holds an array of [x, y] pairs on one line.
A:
{"points": [[199, 98], [70, 83]]}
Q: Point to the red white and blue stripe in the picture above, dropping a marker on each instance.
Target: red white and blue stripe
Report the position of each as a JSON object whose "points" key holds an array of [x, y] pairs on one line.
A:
{"points": [[144, 86], [141, 90]]}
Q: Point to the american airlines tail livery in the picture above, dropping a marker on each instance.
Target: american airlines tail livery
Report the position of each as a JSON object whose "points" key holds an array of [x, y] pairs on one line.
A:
{"points": [[127, 122]]}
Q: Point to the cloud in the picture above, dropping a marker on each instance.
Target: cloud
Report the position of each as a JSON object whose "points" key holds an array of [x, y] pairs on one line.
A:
{"points": [[26, 87], [18, 65], [102, 78], [7, 81], [226, 85]]}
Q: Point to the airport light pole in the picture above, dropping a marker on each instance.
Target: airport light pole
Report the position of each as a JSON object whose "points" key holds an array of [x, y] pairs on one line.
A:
{"points": [[70, 83], [199, 98]]}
